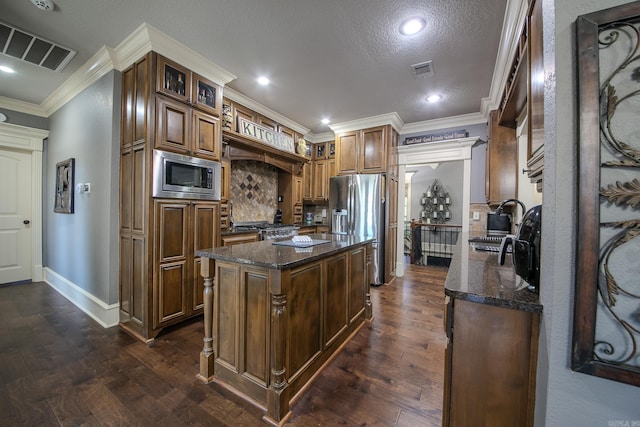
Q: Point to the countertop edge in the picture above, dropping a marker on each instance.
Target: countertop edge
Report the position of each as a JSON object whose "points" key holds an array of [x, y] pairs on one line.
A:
{"points": [[476, 276]]}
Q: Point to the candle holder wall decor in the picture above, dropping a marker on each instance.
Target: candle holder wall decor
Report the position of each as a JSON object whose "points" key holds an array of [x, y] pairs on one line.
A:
{"points": [[435, 204]]}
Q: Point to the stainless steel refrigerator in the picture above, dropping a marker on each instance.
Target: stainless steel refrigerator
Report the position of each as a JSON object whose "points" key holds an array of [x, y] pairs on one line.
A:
{"points": [[356, 204]]}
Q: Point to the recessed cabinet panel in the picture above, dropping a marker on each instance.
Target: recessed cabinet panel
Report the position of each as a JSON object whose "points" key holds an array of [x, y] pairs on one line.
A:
{"points": [[347, 153], [172, 238], [171, 293], [304, 306], [139, 204], [143, 73], [256, 320], [374, 151], [128, 107], [206, 131], [172, 125], [227, 309], [336, 314]]}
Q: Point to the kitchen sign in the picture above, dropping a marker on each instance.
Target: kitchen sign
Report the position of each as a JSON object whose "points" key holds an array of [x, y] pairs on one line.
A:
{"points": [[266, 135]]}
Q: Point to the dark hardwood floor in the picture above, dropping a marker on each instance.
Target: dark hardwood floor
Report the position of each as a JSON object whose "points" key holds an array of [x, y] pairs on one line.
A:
{"points": [[59, 367]]}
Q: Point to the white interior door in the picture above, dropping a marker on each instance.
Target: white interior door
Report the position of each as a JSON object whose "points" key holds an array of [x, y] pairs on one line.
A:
{"points": [[15, 216]]}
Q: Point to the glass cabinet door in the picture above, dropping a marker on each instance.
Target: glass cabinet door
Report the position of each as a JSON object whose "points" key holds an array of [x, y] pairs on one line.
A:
{"points": [[207, 95], [173, 80]]}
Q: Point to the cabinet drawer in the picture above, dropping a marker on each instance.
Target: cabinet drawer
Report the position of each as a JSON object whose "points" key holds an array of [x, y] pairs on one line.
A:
{"points": [[224, 222], [297, 210], [224, 208]]}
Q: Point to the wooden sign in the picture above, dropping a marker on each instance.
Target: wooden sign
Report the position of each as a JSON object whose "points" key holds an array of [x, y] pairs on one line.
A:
{"points": [[266, 135]]}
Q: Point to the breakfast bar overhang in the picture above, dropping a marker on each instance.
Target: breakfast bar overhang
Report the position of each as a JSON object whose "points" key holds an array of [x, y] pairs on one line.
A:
{"points": [[275, 315]]}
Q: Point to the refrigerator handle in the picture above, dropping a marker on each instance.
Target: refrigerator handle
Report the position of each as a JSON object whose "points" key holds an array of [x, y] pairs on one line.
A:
{"points": [[350, 209]]}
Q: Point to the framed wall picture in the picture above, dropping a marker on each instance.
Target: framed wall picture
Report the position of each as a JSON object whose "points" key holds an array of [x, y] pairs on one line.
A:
{"points": [[606, 329], [65, 172]]}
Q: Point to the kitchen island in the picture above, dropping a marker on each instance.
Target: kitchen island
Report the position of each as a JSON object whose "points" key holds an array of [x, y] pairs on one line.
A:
{"points": [[275, 315], [492, 322]]}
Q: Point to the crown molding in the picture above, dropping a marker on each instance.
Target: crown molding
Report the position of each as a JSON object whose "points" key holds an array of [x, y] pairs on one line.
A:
{"points": [[184, 55], [22, 107], [245, 101], [392, 119], [512, 25], [91, 71], [320, 137], [444, 123], [132, 48]]}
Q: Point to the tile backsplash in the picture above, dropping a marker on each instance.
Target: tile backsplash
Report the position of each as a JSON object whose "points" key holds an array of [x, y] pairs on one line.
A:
{"points": [[254, 191]]}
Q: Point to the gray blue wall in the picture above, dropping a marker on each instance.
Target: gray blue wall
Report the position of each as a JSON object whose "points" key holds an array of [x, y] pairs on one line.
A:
{"points": [[450, 176], [83, 247], [478, 154], [24, 119]]}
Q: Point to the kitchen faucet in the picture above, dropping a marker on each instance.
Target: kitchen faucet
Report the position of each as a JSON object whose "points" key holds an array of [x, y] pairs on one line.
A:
{"points": [[504, 202]]}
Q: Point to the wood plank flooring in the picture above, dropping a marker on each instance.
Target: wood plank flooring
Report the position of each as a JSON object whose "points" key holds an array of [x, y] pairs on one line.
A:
{"points": [[59, 367]]}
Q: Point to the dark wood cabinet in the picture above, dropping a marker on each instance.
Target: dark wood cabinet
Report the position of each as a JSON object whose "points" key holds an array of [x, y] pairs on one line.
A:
{"points": [[182, 227], [182, 129], [535, 105], [307, 181], [490, 362], [159, 275], [237, 238], [173, 79], [206, 134], [206, 95], [290, 190], [501, 162], [362, 151], [320, 180]]}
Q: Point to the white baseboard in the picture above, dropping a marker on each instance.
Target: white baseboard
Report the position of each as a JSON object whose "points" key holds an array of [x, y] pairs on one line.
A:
{"points": [[105, 314]]}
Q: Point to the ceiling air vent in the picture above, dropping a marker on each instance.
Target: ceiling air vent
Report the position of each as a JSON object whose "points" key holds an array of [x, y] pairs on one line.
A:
{"points": [[423, 69], [36, 50]]}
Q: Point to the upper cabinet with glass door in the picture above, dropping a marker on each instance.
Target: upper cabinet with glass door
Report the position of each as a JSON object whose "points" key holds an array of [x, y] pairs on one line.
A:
{"points": [[180, 83]]}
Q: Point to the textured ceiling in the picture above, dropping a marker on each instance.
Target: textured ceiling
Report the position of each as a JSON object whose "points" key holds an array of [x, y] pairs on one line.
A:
{"points": [[341, 59]]}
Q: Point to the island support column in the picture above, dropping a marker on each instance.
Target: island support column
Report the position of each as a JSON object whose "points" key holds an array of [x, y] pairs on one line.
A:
{"points": [[277, 395], [207, 356]]}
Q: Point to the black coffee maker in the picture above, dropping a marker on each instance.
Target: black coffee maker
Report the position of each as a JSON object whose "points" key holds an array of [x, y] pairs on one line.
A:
{"points": [[526, 248]]}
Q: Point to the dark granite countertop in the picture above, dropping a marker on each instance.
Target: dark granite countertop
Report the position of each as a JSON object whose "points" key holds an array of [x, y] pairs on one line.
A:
{"points": [[477, 276], [265, 254]]}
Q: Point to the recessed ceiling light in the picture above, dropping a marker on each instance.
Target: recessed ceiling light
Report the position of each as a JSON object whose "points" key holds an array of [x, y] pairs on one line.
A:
{"points": [[434, 98], [325, 121], [412, 26], [6, 69], [263, 80]]}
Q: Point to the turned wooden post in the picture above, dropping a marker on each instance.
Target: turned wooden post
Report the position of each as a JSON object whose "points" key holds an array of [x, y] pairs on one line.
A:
{"points": [[207, 356], [277, 399], [368, 309]]}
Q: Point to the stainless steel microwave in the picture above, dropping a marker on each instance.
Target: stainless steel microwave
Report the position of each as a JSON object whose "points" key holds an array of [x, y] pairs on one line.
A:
{"points": [[185, 177]]}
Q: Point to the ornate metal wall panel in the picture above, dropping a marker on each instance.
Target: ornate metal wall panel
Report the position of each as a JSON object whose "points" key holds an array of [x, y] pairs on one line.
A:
{"points": [[607, 304]]}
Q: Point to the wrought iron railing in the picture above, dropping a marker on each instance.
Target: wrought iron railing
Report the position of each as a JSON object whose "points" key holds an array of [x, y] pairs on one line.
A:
{"points": [[430, 244]]}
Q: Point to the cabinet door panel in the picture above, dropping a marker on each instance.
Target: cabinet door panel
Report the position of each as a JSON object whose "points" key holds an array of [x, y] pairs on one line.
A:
{"points": [[347, 153], [225, 176], [206, 95], [173, 79], [374, 150], [256, 320], [206, 234], [171, 298], [304, 303], [297, 190], [320, 180], [307, 181], [336, 312], [172, 125], [206, 135], [172, 236]]}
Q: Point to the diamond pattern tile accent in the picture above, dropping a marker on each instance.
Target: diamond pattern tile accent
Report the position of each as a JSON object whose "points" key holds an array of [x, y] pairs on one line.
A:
{"points": [[254, 191]]}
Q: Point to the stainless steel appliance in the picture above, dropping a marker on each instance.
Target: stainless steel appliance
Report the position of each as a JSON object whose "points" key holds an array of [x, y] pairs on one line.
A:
{"points": [[357, 207], [185, 177], [268, 231], [526, 248]]}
